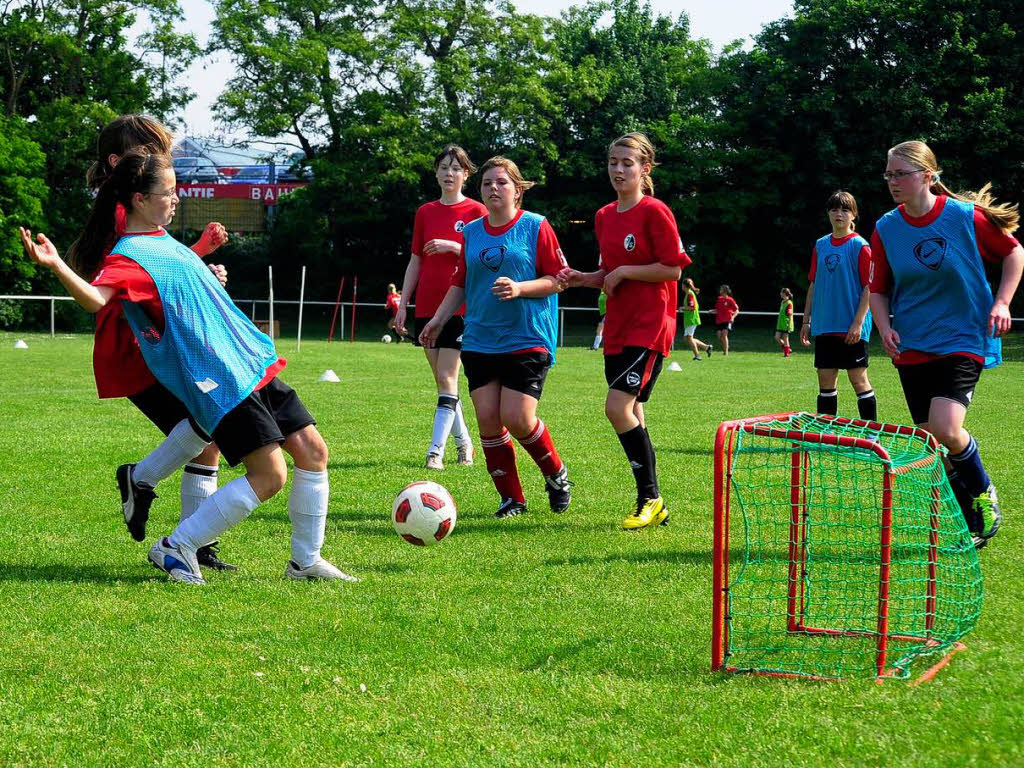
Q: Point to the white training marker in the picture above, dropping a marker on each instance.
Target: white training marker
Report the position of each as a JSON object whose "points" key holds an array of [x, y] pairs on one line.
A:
{"points": [[674, 366], [329, 375], [20, 344]]}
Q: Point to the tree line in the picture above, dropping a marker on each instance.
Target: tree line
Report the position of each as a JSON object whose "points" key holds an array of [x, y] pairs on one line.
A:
{"points": [[751, 140]]}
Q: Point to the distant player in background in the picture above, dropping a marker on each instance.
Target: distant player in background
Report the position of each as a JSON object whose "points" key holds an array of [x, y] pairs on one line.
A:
{"points": [[642, 257], [784, 325], [836, 312], [391, 302], [436, 242], [507, 275], [691, 319], [602, 305], [203, 349], [121, 371], [927, 268], [726, 310]]}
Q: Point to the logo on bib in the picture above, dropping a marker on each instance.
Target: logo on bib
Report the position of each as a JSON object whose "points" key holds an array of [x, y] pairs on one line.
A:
{"points": [[492, 257], [629, 243], [460, 225], [207, 385], [633, 379], [831, 262], [930, 252]]}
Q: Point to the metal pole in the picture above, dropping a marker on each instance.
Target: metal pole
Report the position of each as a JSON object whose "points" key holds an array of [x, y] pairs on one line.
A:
{"points": [[53, 327], [270, 274], [302, 296], [561, 327], [352, 329]]}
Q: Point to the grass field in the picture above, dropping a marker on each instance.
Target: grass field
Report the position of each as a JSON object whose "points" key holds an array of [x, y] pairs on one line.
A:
{"points": [[537, 640]]}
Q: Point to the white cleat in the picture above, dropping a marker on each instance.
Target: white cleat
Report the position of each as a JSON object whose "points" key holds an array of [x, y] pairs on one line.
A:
{"points": [[321, 570], [434, 461], [466, 453], [180, 564]]}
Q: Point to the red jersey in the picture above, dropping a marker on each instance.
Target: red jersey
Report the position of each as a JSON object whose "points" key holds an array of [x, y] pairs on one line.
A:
{"points": [[640, 314], [118, 365], [391, 302], [437, 221], [725, 308], [994, 245]]}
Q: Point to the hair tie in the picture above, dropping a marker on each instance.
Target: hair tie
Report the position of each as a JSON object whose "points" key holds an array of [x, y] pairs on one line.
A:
{"points": [[120, 219]]}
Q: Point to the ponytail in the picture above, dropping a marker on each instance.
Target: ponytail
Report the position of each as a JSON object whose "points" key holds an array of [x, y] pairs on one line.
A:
{"points": [[642, 145]]}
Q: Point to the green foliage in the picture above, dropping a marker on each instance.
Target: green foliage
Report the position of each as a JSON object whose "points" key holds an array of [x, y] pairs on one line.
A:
{"points": [[23, 194]]}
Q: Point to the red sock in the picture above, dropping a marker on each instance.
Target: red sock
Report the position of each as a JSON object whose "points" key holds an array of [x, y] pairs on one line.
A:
{"points": [[541, 448], [500, 454]]}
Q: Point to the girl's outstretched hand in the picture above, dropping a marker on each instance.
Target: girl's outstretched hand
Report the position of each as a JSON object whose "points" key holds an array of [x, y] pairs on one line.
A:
{"points": [[40, 250], [213, 237]]}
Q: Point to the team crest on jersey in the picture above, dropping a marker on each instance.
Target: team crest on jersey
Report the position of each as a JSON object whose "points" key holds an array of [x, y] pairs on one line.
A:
{"points": [[460, 225], [629, 243], [493, 257], [831, 262], [931, 251]]}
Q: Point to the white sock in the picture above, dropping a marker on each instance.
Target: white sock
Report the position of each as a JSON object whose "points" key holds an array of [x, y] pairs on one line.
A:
{"points": [[307, 509], [181, 445], [444, 418], [460, 432], [597, 342], [198, 483], [227, 507]]}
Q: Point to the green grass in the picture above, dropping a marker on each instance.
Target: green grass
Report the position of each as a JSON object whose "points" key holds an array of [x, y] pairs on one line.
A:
{"points": [[538, 640]]}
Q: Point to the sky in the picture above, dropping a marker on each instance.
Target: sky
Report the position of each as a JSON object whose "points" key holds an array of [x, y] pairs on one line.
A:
{"points": [[721, 21]]}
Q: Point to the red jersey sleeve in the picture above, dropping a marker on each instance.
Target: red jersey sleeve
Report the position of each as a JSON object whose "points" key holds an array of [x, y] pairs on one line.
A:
{"points": [[993, 243], [879, 274], [789, 309], [664, 234], [131, 283], [864, 265], [814, 264], [417, 234], [459, 275], [691, 301], [550, 260]]}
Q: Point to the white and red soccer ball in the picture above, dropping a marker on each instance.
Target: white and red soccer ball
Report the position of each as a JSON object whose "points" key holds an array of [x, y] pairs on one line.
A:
{"points": [[423, 513]]}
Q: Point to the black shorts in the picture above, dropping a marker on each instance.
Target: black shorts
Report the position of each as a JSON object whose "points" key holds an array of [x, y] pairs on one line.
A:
{"points": [[522, 372], [951, 378], [161, 407], [634, 371], [450, 336], [264, 417], [834, 352], [723, 326]]}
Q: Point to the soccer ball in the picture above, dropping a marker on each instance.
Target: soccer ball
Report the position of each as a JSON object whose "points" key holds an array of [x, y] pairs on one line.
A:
{"points": [[423, 513], [386, 338]]}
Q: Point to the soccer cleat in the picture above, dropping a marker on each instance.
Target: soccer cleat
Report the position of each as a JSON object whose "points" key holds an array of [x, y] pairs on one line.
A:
{"points": [[697, 358], [181, 565], [136, 499], [510, 508], [986, 507], [434, 461], [649, 512], [709, 350], [321, 570], [466, 453], [207, 557], [557, 486]]}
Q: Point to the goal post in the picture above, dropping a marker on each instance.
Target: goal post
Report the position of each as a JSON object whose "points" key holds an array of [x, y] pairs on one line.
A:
{"points": [[839, 549]]}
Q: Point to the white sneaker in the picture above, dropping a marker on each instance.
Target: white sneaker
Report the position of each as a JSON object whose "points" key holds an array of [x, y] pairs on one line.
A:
{"points": [[180, 564], [466, 453], [434, 461], [321, 570]]}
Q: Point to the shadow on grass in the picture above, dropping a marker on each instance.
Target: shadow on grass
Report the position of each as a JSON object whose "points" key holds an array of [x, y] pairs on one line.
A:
{"points": [[554, 658], [674, 556], [62, 572], [335, 464]]}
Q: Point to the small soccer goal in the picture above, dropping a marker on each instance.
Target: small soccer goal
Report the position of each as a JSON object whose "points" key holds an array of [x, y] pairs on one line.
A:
{"points": [[839, 552]]}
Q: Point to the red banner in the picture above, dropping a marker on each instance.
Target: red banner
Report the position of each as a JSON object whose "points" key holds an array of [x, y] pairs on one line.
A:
{"points": [[268, 194]]}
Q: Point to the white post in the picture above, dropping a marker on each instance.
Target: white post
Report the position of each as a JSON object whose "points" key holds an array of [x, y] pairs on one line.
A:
{"points": [[270, 274], [561, 327], [53, 327], [302, 295]]}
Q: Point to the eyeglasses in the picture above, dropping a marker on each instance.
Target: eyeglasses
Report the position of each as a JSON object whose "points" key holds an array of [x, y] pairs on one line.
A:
{"points": [[163, 194], [900, 175]]}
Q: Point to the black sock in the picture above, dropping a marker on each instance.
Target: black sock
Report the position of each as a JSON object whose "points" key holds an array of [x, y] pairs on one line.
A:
{"points": [[867, 406], [964, 500], [637, 446], [654, 462], [828, 401]]}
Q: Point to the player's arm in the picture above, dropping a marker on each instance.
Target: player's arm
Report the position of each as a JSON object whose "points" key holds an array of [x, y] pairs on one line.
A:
{"points": [[213, 237], [505, 288], [880, 283], [409, 283], [999, 317], [853, 332], [573, 278], [805, 326], [644, 273], [91, 298], [451, 302]]}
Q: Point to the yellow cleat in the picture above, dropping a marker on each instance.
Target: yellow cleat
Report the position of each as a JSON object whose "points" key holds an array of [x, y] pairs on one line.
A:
{"points": [[648, 512]]}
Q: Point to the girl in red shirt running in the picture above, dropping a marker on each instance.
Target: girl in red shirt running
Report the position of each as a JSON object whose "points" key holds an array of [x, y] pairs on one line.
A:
{"points": [[726, 310], [436, 242], [642, 257]]}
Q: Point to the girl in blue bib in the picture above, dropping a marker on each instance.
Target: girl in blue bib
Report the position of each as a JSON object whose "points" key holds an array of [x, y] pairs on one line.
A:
{"points": [[927, 270]]}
